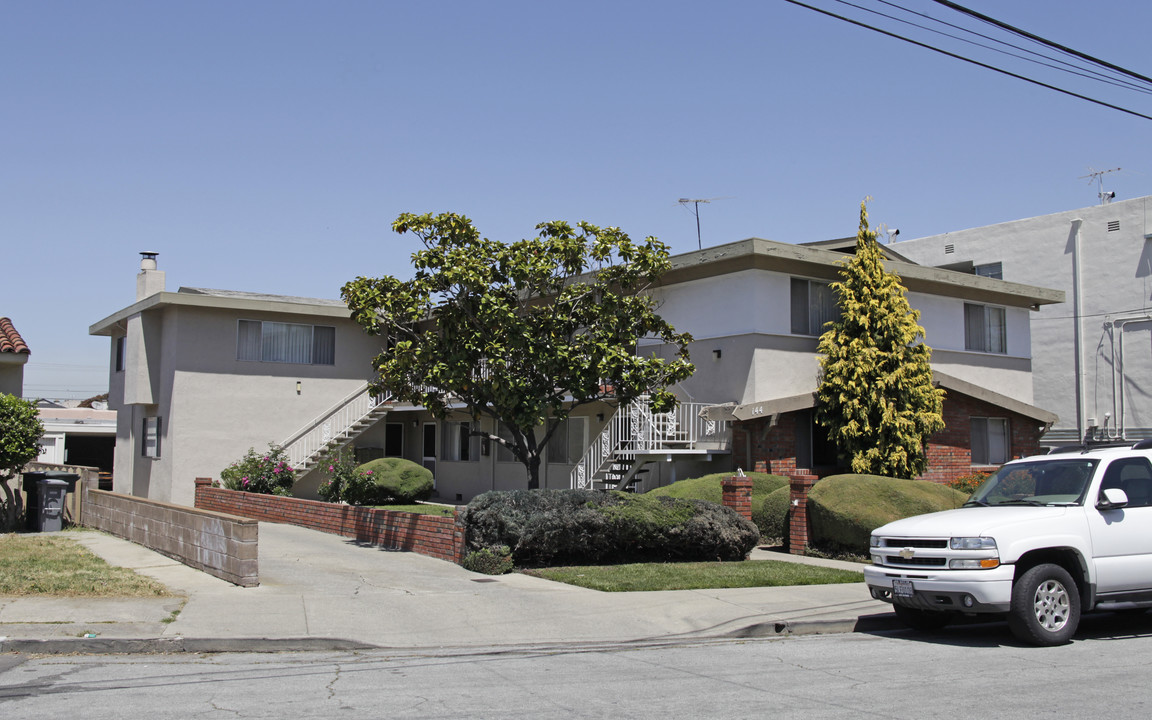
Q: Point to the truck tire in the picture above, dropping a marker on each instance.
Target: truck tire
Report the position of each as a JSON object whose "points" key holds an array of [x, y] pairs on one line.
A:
{"points": [[1045, 606], [922, 620]]}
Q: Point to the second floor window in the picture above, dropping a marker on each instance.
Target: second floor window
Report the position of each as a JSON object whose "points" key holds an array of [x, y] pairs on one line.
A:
{"points": [[813, 305], [286, 343], [984, 329]]}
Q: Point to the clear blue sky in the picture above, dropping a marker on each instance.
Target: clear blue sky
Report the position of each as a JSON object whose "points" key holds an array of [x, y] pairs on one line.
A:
{"points": [[267, 146]]}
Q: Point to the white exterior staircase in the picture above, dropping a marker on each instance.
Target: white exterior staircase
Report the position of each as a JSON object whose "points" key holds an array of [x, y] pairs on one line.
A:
{"points": [[636, 436], [334, 428]]}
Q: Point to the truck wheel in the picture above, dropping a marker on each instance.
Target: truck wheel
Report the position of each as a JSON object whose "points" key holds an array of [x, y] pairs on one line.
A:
{"points": [[922, 620], [1045, 606]]}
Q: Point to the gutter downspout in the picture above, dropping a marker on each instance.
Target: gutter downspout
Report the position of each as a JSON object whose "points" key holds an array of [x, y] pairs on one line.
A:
{"points": [[1078, 340]]}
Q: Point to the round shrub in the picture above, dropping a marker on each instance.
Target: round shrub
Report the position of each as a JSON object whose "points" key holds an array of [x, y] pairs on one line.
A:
{"points": [[394, 481], [489, 561], [558, 527], [845, 509], [708, 488], [772, 514]]}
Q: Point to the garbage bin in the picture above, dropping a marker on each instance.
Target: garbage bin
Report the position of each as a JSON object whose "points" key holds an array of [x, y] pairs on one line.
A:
{"points": [[32, 499], [52, 494]]}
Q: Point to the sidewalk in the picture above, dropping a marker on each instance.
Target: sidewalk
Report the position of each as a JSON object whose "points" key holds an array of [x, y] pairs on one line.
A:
{"points": [[321, 591]]}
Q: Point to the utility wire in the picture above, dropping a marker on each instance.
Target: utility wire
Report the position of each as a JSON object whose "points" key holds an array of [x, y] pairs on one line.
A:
{"points": [[1042, 41], [1073, 69], [969, 60]]}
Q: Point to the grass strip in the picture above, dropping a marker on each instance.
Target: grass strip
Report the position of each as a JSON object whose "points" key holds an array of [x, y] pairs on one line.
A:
{"points": [[62, 567], [420, 509], [637, 577]]}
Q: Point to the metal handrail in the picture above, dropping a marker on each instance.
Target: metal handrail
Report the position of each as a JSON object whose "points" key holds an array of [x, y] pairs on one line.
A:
{"points": [[635, 430], [306, 442]]}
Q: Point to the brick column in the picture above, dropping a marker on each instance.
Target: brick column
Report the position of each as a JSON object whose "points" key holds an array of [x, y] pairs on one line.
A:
{"points": [[201, 484], [799, 526], [738, 494]]}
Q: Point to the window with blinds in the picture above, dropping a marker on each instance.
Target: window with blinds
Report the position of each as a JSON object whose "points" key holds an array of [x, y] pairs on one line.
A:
{"points": [[262, 341]]}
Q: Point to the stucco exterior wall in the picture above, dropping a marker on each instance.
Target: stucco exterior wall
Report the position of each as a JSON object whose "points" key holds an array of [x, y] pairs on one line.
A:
{"points": [[221, 406], [1116, 261]]}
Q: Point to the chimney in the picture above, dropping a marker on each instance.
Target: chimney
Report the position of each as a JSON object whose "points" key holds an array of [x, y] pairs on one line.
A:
{"points": [[150, 280]]}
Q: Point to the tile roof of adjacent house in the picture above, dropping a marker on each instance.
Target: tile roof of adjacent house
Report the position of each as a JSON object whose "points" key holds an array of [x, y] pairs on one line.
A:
{"points": [[10, 340]]}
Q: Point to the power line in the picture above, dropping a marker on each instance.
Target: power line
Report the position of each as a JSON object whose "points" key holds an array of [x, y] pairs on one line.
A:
{"points": [[1042, 41], [1053, 63], [969, 60]]}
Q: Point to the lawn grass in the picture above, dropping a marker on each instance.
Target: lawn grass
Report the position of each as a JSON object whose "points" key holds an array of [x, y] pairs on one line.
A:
{"points": [[61, 566], [636, 577], [420, 509]]}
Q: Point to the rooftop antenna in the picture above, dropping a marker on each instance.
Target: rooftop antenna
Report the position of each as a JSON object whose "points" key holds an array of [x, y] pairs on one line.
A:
{"points": [[1098, 176], [695, 203]]}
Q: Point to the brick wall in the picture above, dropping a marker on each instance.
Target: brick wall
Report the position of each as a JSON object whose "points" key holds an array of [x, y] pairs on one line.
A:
{"points": [[432, 535], [219, 544], [949, 451]]}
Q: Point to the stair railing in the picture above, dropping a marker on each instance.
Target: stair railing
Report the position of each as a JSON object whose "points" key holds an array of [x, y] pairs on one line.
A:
{"points": [[308, 441]]}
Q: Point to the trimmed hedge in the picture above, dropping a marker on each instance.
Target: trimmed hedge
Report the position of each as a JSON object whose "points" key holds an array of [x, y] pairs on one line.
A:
{"points": [[708, 488], [772, 515], [586, 527], [845, 509], [397, 482]]}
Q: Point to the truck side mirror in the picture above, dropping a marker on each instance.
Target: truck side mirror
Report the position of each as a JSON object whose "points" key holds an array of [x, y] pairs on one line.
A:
{"points": [[1111, 499]]}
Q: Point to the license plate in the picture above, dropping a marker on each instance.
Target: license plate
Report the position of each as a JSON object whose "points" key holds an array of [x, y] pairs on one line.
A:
{"points": [[903, 589]]}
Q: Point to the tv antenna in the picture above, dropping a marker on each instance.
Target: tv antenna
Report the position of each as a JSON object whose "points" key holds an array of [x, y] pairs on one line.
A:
{"points": [[695, 203], [1098, 176]]}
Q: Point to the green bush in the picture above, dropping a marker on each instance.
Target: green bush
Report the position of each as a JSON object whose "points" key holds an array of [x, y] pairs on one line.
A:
{"points": [[489, 561], [772, 515], [266, 472], [845, 509], [556, 527], [342, 478], [708, 488], [393, 481]]}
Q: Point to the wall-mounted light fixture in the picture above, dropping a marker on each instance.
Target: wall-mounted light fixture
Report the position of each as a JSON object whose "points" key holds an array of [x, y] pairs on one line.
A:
{"points": [[599, 417], [298, 386], [716, 354]]}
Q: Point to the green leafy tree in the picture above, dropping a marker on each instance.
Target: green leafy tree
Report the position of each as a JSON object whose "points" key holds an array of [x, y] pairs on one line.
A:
{"points": [[20, 433], [521, 332], [876, 396]]}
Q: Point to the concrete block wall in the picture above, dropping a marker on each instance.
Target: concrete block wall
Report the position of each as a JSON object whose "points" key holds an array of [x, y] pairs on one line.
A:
{"points": [[432, 535], [217, 543]]}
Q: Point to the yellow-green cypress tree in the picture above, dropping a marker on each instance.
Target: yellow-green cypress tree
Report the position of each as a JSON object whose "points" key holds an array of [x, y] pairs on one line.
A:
{"points": [[875, 396]]}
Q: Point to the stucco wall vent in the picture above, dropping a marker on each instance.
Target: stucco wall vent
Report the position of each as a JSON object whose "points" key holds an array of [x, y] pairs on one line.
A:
{"points": [[949, 249], [1113, 225]]}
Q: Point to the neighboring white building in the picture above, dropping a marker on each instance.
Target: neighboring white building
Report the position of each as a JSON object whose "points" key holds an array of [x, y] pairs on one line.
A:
{"points": [[200, 376], [78, 436], [1092, 360]]}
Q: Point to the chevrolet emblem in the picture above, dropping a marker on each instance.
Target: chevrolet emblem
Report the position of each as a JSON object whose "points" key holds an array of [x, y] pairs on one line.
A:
{"points": [[907, 553]]}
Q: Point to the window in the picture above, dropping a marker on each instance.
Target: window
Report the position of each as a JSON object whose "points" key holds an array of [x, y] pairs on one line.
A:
{"points": [[120, 343], [989, 441], [567, 444], [151, 445], [984, 329], [813, 305], [1133, 475], [460, 445], [286, 343], [991, 270]]}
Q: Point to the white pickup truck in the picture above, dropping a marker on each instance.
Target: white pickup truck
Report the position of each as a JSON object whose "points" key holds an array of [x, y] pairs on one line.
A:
{"points": [[1042, 539]]}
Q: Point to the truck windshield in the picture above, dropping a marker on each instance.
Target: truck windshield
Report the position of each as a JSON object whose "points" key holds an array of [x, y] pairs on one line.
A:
{"points": [[1043, 482]]}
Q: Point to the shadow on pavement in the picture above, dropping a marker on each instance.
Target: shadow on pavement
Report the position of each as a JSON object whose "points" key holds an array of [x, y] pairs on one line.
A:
{"points": [[977, 632]]}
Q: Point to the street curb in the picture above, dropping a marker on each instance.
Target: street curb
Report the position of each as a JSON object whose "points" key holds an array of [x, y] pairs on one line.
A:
{"points": [[781, 628], [127, 646]]}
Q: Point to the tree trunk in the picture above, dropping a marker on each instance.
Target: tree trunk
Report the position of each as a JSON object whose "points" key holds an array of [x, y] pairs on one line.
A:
{"points": [[533, 465]]}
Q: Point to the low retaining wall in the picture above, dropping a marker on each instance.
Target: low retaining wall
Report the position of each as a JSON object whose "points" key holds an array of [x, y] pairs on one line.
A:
{"points": [[217, 543], [432, 535]]}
